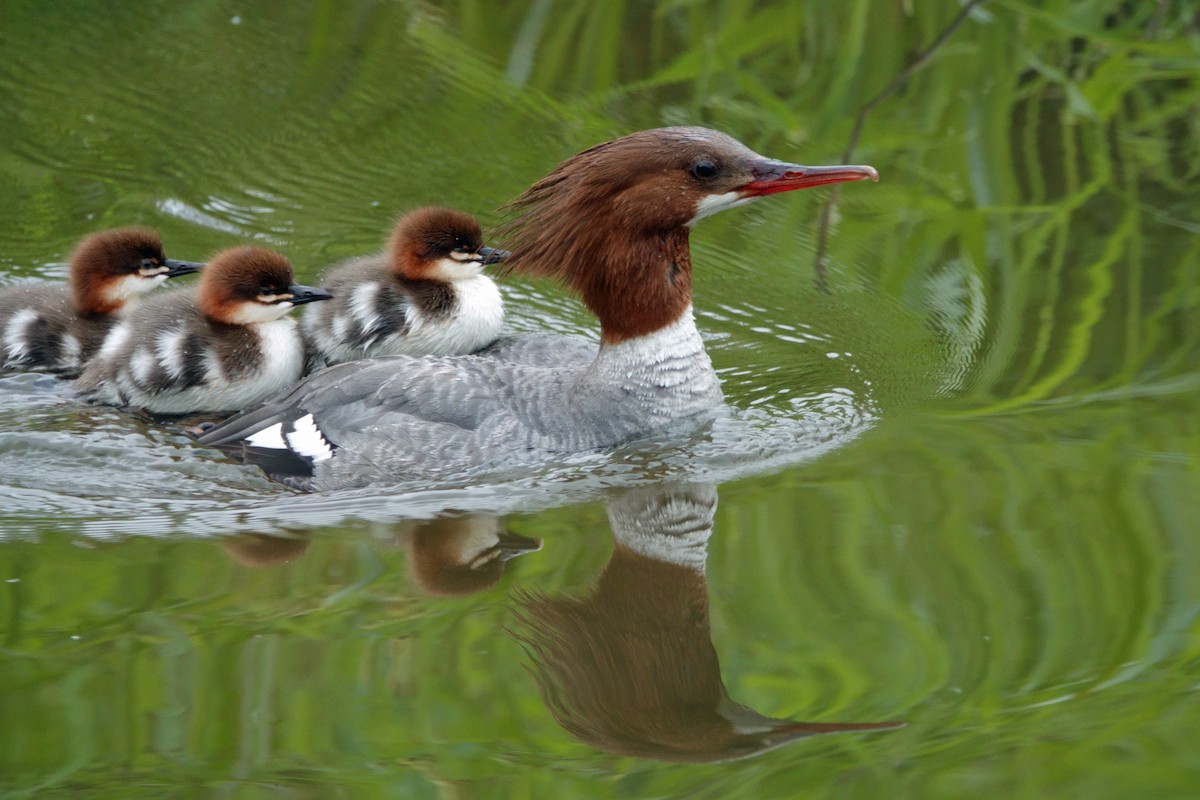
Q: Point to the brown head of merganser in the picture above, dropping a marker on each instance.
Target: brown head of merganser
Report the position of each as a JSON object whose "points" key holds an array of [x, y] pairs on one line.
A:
{"points": [[611, 222], [58, 327], [425, 295], [224, 345], [629, 666]]}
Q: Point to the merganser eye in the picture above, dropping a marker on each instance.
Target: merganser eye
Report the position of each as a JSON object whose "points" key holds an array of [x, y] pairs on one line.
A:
{"points": [[149, 263], [704, 169]]}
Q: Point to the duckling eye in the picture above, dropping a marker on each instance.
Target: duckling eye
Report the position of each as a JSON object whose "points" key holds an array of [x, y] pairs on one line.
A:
{"points": [[149, 263], [704, 169]]}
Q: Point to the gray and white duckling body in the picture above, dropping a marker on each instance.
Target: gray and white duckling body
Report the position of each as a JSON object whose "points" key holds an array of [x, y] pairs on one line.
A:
{"points": [[223, 346], [59, 326], [425, 295]]}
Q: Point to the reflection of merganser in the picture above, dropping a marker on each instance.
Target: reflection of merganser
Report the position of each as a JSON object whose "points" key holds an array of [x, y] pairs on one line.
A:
{"points": [[59, 326], [427, 295], [221, 347], [630, 667], [613, 223]]}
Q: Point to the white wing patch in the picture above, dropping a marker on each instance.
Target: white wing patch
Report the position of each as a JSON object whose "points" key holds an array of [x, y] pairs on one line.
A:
{"points": [[340, 326], [307, 439], [271, 438]]}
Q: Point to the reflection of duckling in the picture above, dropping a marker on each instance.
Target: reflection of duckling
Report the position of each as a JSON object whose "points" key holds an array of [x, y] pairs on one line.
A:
{"points": [[260, 550], [458, 556], [630, 668]]}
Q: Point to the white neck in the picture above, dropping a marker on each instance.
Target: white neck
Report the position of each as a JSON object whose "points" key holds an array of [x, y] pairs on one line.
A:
{"points": [[669, 365]]}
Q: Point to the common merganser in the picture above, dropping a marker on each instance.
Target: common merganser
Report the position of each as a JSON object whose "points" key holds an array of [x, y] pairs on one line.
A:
{"points": [[629, 666], [613, 223], [57, 326], [223, 346], [426, 295]]}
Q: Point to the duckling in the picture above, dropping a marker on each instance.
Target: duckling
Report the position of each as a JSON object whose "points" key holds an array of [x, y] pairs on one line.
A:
{"points": [[221, 347], [426, 295], [57, 327]]}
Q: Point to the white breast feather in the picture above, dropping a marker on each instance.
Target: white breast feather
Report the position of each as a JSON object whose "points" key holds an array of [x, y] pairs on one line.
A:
{"points": [[668, 369], [475, 323]]}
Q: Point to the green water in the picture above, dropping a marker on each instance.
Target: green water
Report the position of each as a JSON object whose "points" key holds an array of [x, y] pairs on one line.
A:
{"points": [[959, 489]]}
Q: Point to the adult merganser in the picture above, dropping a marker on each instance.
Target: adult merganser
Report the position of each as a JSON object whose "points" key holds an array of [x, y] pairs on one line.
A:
{"points": [[58, 327], [613, 223], [221, 347], [426, 295]]}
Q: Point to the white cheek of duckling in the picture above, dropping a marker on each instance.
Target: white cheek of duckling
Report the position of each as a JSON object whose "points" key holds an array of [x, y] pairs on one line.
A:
{"points": [[253, 312], [128, 287], [457, 267]]}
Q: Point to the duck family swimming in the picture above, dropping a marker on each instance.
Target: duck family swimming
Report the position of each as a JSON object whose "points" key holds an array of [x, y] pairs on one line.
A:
{"points": [[612, 223]]}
